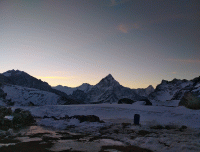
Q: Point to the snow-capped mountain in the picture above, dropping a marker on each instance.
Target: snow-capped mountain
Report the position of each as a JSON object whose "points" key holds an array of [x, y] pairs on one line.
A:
{"points": [[68, 90], [145, 92], [23, 96], [174, 90], [20, 78], [23, 79], [108, 90]]}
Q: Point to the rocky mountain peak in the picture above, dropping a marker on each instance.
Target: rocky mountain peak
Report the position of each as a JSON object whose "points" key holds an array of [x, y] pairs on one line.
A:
{"points": [[12, 72], [109, 77], [150, 87], [108, 81], [164, 82]]}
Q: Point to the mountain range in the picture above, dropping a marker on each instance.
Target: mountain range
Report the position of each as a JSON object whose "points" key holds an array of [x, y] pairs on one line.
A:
{"points": [[168, 91], [108, 90], [23, 89]]}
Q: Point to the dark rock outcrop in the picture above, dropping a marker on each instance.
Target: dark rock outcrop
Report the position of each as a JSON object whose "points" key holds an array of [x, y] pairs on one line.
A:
{"points": [[2, 94], [5, 111], [21, 78], [89, 118], [22, 118], [190, 100], [81, 118], [147, 102], [18, 118], [126, 101]]}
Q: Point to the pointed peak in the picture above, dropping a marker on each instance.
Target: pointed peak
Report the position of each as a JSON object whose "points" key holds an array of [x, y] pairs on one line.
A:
{"points": [[164, 81], [109, 76], [108, 81], [150, 87]]}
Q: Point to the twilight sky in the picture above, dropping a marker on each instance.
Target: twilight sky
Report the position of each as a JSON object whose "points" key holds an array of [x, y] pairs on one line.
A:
{"points": [[70, 42]]}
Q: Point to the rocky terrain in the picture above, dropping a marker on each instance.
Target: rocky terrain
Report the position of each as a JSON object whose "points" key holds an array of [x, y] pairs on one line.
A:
{"points": [[91, 133]]}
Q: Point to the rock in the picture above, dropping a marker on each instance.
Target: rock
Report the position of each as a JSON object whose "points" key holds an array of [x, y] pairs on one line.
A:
{"points": [[157, 127], [45, 117], [9, 132], [124, 125], [89, 118], [2, 94], [16, 119], [5, 124], [31, 104], [5, 111], [22, 118], [18, 110], [53, 117], [147, 102], [126, 101], [65, 117], [190, 100], [182, 128]]}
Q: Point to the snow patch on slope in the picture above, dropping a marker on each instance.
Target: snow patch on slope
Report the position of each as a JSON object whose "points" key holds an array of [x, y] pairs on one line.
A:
{"points": [[23, 96]]}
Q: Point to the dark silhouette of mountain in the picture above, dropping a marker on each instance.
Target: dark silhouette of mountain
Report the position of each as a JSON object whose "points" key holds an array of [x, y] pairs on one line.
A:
{"points": [[110, 91], [69, 91], [21, 78]]}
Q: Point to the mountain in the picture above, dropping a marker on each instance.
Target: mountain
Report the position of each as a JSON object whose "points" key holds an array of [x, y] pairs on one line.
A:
{"points": [[145, 92], [167, 91], [108, 90], [68, 90], [24, 96], [21, 78]]}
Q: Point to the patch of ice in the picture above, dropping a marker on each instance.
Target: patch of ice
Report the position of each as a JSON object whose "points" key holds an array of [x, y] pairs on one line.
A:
{"points": [[9, 117], [28, 139], [9, 144]]}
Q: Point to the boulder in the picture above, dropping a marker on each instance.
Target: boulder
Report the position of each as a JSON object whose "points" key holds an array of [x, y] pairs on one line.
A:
{"points": [[5, 111], [148, 103], [16, 119], [126, 101], [6, 124], [22, 118], [89, 118], [190, 100]]}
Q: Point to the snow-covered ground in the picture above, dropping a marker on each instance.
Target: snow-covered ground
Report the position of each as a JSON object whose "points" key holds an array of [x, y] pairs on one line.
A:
{"points": [[115, 114], [158, 114], [112, 132]]}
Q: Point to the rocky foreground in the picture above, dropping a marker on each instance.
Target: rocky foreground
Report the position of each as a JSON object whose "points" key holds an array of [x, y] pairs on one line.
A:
{"points": [[110, 135]]}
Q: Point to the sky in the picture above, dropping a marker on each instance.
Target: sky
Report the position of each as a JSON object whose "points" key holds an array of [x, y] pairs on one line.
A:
{"points": [[70, 42]]}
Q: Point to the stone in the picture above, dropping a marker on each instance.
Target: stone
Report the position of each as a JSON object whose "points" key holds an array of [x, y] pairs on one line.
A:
{"points": [[22, 118], [190, 100], [89, 118], [125, 101], [5, 111]]}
